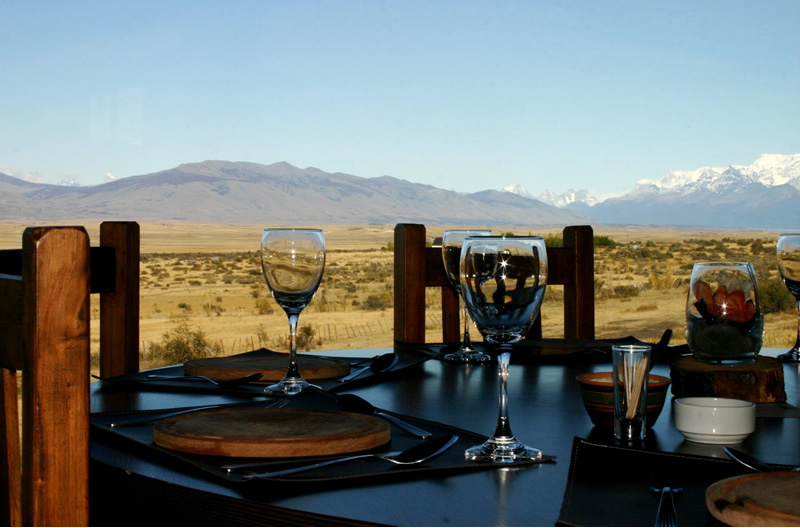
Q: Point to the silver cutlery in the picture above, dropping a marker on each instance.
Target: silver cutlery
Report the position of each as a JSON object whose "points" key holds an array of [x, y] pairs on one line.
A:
{"points": [[751, 462], [356, 404], [416, 454], [382, 363], [235, 382], [667, 514], [168, 414]]}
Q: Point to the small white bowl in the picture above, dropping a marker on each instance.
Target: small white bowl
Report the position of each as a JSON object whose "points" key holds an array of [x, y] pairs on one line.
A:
{"points": [[714, 420]]}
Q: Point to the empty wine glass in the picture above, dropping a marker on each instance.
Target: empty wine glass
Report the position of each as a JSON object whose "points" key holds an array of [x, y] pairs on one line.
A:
{"points": [[503, 281], [452, 241], [788, 251], [293, 261]]}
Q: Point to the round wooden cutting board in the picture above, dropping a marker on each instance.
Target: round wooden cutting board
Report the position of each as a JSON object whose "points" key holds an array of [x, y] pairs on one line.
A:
{"points": [[761, 499], [271, 433], [272, 368]]}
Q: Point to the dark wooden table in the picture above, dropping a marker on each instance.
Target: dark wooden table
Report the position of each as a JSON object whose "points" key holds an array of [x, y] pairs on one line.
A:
{"points": [[546, 412]]}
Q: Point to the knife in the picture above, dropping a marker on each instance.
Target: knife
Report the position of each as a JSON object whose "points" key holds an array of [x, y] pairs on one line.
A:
{"points": [[748, 460]]}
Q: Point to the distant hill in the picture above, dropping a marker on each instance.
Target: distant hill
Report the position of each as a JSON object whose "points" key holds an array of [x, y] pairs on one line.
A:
{"points": [[241, 192]]}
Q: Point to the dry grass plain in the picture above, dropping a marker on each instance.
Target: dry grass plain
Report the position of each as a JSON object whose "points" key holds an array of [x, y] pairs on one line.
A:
{"points": [[209, 276]]}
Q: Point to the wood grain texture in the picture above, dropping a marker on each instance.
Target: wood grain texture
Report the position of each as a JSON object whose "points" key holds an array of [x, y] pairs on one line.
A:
{"points": [[760, 382], [10, 464], [52, 296], [271, 433], [119, 308], [271, 368], [763, 499]]}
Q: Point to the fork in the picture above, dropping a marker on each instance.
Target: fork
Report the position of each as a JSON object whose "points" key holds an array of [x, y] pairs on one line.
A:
{"points": [[667, 512], [219, 383]]}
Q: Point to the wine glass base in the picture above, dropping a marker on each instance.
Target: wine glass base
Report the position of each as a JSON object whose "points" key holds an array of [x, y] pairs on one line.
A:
{"points": [[502, 452], [468, 355], [289, 387], [792, 356]]}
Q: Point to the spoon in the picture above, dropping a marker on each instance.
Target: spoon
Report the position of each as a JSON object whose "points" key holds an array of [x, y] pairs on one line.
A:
{"points": [[416, 454], [751, 462], [235, 382], [356, 404], [380, 364]]}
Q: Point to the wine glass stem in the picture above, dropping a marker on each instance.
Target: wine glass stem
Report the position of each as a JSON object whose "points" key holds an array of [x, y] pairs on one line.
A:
{"points": [[503, 426], [293, 370], [797, 341], [467, 342]]}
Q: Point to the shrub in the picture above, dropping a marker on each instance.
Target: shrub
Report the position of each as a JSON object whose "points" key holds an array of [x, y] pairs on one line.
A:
{"points": [[181, 344], [775, 297], [376, 302], [265, 305], [305, 337], [553, 241], [604, 241]]}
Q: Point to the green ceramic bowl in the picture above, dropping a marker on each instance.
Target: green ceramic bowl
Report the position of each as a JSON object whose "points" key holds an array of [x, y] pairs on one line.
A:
{"points": [[598, 397]]}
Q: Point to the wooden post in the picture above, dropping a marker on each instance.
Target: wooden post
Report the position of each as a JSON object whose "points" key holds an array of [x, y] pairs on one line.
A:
{"points": [[119, 309]]}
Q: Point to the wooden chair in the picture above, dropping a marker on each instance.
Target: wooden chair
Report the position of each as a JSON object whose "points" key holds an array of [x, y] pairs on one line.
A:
{"points": [[115, 276], [417, 267], [44, 332]]}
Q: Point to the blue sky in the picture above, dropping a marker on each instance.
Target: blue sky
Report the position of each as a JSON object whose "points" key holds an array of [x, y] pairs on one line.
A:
{"points": [[466, 95]]}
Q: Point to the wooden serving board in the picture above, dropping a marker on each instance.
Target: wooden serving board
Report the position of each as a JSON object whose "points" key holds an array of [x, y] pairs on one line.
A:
{"points": [[761, 499], [272, 368], [271, 433]]}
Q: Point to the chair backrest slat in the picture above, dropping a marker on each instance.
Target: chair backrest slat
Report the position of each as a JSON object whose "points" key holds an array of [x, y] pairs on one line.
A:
{"points": [[119, 306], [54, 330], [418, 267]]}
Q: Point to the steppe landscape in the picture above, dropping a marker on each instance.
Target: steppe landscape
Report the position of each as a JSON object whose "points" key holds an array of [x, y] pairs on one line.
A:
{"points": [[205, 280]]}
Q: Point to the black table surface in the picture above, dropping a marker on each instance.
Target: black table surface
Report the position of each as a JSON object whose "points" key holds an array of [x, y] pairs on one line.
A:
{"points": [[546, 412]]}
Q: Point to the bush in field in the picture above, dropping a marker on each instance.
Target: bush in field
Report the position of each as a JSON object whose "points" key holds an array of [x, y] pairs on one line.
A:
{"points": [[553, 241], [377, 302], [181, 344], [265, 305], [604, 242], [305, 337], [775, 297]]}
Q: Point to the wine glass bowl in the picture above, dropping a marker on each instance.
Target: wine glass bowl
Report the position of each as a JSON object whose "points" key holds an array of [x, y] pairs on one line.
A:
{"points": [[293, 261], [503, 282], [788, 254], [452, 240], [724, 320]]}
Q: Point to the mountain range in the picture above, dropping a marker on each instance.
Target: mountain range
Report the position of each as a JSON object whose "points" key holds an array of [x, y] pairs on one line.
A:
{"points": [[764, 195], [242, 192]]}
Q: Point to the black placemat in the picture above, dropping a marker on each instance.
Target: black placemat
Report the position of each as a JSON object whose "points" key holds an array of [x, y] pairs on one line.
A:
{"points": [[410, 357], [610, 486], [372, 469]]}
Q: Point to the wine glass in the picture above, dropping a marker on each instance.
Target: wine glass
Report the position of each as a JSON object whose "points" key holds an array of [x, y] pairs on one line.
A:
{"points": [[451, 255], [788, 251], [293, 261], [503, 281]]}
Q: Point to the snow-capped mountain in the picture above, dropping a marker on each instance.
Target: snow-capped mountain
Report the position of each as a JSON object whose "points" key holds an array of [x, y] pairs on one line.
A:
{"points": [[551, 198], [567, 197], [764, 195], [769, 170], [519, 190]]}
